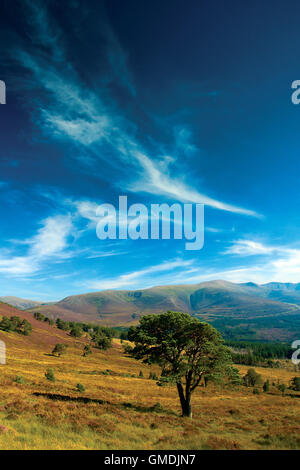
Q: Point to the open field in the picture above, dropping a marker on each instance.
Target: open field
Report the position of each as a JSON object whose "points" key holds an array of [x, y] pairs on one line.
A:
{"points": [[121, 411]]}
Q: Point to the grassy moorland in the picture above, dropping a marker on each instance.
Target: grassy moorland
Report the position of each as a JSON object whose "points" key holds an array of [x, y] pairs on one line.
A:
{"points": [[120, 410]]}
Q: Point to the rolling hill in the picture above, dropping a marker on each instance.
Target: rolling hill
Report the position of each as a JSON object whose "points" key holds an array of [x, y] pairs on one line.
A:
{"points": [[22, 304], [265, 307], [43, 335]]}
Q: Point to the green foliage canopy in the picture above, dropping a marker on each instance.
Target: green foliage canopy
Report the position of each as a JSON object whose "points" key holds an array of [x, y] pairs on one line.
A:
{"points": [[16, 324], [185, 348]]}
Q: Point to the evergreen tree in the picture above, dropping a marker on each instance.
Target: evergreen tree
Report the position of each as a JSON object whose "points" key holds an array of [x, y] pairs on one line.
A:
{"points": [[80, 388], [266, 386], [59, 349], [185, 348], [50, 375], [252, 378], [296, 384], [87, 350]]}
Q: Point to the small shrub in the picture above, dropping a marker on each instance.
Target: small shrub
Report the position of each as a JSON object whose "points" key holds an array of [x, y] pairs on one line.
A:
{"points": [[157, 407], [141, 374], [59, 349], [87, 350], [50, 375], [39, 316], [282, 389], [266, 386], [76, 332], [127, 348], [19, 379], [296, 384], [102, 337], [256, 391], [62, 325], [252, 378], [153, 376], [80, 388]]}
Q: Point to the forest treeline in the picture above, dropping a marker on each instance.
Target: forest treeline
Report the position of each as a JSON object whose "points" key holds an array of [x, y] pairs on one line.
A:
{"points": [[255, 353]]}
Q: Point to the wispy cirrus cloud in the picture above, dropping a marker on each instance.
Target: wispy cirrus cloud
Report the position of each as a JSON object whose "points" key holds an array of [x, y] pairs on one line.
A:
{"points": [[105, 254], [251, 247], [157, 181], [88, 210], [50, 243], [182, 136], [78, 113], [279, 262], [51, 238], [281, 265], [139, 278], [73, 111]]}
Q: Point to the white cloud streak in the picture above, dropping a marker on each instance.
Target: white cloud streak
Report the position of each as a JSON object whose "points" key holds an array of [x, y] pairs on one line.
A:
{"points": [[136, 278], [251, 247], [158, 182], [50, 243], [280, 263], [78, 114]]}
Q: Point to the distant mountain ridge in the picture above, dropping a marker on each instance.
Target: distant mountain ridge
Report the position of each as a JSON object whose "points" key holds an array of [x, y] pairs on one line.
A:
{"points": [[211, 298], [244, 310], [22, 304], [284, 292]]}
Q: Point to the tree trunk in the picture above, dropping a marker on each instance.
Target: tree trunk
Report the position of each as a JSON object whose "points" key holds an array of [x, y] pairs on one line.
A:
{"points": [[185, 402], [187, 410]]}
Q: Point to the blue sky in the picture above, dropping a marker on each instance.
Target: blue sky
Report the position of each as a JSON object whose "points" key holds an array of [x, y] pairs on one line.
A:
{"points": [[169, 102]]}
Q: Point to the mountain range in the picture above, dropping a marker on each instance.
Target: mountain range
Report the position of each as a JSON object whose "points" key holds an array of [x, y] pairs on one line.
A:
{"points": [[20, 303], [268, 311]]}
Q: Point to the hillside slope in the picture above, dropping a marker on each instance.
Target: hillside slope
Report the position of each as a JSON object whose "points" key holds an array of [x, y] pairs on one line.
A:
{"points": [[22, 304], [217, 301], [43, 335]]}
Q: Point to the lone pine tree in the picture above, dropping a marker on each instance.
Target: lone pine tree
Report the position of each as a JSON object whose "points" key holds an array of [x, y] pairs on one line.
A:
{"points": [[185, 348]]}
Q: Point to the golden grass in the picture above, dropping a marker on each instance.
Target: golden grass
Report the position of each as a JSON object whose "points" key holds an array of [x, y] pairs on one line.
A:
{"points": [[125, 418]]}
